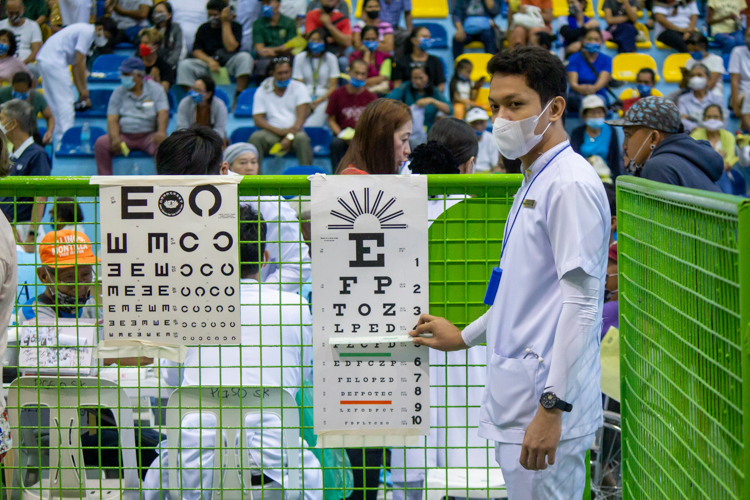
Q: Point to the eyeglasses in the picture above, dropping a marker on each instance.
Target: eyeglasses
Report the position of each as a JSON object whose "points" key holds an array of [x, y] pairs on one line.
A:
{"points": [[281, 59]]}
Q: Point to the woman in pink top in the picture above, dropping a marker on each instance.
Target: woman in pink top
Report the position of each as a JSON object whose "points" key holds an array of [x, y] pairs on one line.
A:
{"points": [[9, 63], [379, 64], [371, 17]]}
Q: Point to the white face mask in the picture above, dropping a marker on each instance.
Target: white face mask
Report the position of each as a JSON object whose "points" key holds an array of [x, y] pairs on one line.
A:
{"points": [[713, 125], [100, 40], [514, 139], [5, 129], [697, 83]]}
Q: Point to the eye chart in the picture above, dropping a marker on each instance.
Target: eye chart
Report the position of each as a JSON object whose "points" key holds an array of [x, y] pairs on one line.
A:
{"points": [[170, 261], [370, 285]]}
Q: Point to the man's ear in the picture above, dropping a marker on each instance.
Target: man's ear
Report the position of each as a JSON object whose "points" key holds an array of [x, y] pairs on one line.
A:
{"points": [[557, 109], [266, 258], [224, 169], [41, 272]]}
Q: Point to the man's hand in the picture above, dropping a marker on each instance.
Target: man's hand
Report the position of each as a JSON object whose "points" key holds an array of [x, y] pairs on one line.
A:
{"points": [[460, 35], [158, 137], [214, 66], [285, 144], [445, 335], [226, 15], [541, 439], [686, 34], [325, 19], [115, 145], [47, 139], [424, 102], [266, 52]]}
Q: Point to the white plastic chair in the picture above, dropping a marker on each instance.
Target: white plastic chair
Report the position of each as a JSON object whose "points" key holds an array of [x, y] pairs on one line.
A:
{"points": [[455, 482], [65, 397], [230, 406]]}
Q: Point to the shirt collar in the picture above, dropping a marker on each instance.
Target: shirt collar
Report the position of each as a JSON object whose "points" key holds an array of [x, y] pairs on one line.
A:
{"points": [[19, 151], [539, 163]]}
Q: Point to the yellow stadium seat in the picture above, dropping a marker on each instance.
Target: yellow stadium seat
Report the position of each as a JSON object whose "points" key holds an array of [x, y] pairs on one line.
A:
{"points": [[662, 46], [672, 64], [479, 61], [560, 8], [483, 98], [639, 45], [600, 11], [474, 45], [349, 3], [625, 67], [420, 9], [630, 93]]}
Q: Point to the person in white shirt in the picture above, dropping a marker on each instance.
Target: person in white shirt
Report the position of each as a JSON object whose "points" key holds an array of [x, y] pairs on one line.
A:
{"points": [[675, 23], [698, 47], [131, 16], [542, 403], [281, 106], [739, 71], [488, 156], [318, 69], [189, 14], [70, 47], [248, 11], [75, 11], [27, 32], [693, 103], [275, 351]]}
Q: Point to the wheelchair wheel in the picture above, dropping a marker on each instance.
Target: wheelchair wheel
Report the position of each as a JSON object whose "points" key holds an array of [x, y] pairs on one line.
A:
{"points": [[606, 460]]}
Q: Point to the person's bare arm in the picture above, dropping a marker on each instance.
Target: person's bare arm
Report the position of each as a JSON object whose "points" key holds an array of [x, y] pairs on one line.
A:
{"points": [[408, 20], [50, 119], [333, 125], [387, 45], [692, 25], [714, 80], [745, 121], [260, 122], [338, 36], [79, 77], [35, 46], [162, 120], [547, 15], [113, 131], [632, 12], [41, 20], [213, 64], [734, 79], [227, 37], [139, 14], [712, 18], [603, 80], [303, 111]]}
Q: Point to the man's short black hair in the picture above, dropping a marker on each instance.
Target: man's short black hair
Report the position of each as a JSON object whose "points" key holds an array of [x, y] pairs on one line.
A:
{"points": [[252, 241], [544, 72], [192, 151], [648, 71], [21, 77], [108, 24], [67, 211], [216, 5]]}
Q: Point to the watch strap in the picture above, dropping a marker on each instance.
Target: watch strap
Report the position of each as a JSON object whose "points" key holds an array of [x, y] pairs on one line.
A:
{"points": [[564, 406]]}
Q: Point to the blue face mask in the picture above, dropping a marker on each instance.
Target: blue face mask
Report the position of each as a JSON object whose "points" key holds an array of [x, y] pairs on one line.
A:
{"points": [[197, 97], [127, 81], [643, 90], [283, 83], [426, 43], [371, 45], [479, 132], [4, 47], [591, 48], [697, 55], [316, 47], [595, 123], [463, 78], [357, 84], [19, 95], [266, 11]]}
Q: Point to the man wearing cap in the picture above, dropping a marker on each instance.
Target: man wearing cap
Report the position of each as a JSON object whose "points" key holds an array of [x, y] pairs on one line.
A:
{"points": [[137, 117], [657, 148], [488, 156], [595, 138]]}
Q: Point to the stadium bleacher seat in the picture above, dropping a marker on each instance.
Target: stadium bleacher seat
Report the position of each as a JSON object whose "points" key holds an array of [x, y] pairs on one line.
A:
{"points": [[662, 46], [639, 45], [625, 67], [727, 76], [125, 46], [223, 96], [437, 33], [423, 9], [630, 93], [303, 170], [242, 134], [99, 103], [483, 98], [106, 68], [70, 145], [172, 102], [320, 139], [560, 8], [479, 61], [672, 67], [244, 107], [474, 45]]}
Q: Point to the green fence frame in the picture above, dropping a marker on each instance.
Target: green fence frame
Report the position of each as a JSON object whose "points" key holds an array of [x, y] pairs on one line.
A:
{"points": [[684, 285], [464, 242]]}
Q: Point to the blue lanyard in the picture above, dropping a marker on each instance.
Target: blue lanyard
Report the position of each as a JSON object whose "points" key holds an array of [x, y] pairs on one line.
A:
{"points": [[520, 206]]}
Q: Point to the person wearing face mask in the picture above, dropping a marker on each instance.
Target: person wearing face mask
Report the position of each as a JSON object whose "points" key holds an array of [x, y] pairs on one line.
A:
{"points": [[595, 138], [462, 91], [473, 22], [70, 47], [28, 34], [9, 63], [645, 81], [380, 66], [542, 402], [692, 104], [281, 106], [318, 69], [712, 129], [578, 23], [675, 21], [345, 106], [172, 47], [656, 147], [589, 71], [488, 156], [338, 26], [217, 46], [131, 17], [201, 106], [137, 116], [271, 32], [425, 101], [521, 34], [415, 51], [698, 47], [21, 89], [157, 68], [371, 17]]}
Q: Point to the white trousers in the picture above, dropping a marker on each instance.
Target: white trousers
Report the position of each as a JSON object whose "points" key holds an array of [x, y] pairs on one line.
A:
{"points": [[74, 11], [58, 90], [565, 480]]}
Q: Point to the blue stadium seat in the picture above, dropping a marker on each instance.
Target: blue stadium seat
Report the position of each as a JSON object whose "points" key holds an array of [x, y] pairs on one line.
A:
{"points": [[106, 68], [303, 170], [99, 103], [437, 33], [320, 138], [172, 102], [71, 143], [125, 46], [223, 96], [244, 107], [727, 76], [242, 134]]}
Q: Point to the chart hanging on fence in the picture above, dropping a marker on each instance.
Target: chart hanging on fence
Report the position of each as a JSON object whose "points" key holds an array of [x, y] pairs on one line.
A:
{"points": [[170, 263], [370, 285]]}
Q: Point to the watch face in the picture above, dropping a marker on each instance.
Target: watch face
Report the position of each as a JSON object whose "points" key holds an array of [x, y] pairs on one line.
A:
{"points": [[548, 400]]}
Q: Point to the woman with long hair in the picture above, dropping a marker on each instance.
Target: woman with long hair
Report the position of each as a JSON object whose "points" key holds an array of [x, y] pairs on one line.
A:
{"points": [[381, 140], [201, 106], [415, 51], [172, 49]]}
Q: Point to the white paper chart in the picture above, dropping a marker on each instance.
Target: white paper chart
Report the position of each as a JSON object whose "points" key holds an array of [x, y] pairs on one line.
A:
{"points": [[170, 262], [370, 285]]}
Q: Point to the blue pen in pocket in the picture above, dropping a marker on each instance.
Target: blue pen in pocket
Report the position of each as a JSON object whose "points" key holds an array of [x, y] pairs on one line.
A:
{"points": [[489, 296]]}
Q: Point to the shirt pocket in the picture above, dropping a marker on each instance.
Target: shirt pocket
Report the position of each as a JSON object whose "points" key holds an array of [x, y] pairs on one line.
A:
{"points": [[513, 396]]}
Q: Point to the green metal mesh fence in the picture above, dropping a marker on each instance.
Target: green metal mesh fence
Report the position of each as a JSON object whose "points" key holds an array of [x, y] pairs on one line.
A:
{"points": [[109, 431], [684, 311]]}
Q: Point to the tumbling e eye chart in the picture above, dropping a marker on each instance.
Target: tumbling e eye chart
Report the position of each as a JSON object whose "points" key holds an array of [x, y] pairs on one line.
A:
{"points": [[170, 261], [370, 285]]}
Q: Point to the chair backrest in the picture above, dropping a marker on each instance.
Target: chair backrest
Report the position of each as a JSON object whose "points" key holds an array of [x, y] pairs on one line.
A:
{"points": [[172, 100], [421, 9], [625, 67], [560, 8], [231, 405], [107, 63], [242, 134], [437, 33], [65, 396], [672, 67], [223, 96], [727, 75], [244, 107], [320, 138], [72, 136], [479, 62]]}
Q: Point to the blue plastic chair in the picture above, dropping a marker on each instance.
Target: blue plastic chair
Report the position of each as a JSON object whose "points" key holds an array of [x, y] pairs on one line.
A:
{"points": [[303, 170], [172, 102], [223, 96], [109, 66], [125, 46], [99, 103], [437, 33], [71, 143], [320, 139], [242, 134], [244, 107], [727, 76]]}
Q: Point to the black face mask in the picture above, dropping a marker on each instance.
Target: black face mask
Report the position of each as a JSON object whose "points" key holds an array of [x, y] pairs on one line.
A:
{"points": [[373, 14], [328, 9]]}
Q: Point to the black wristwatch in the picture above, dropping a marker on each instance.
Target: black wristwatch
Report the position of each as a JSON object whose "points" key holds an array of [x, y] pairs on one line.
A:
{"points": [[549, 401]]}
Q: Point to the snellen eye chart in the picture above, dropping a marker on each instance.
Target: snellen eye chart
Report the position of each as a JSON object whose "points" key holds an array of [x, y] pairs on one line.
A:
{"points": [[370, 285]]}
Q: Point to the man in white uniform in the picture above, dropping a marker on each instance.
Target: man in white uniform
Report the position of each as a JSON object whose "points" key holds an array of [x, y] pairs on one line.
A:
{"points": [[70, 47], [542, 403]]}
